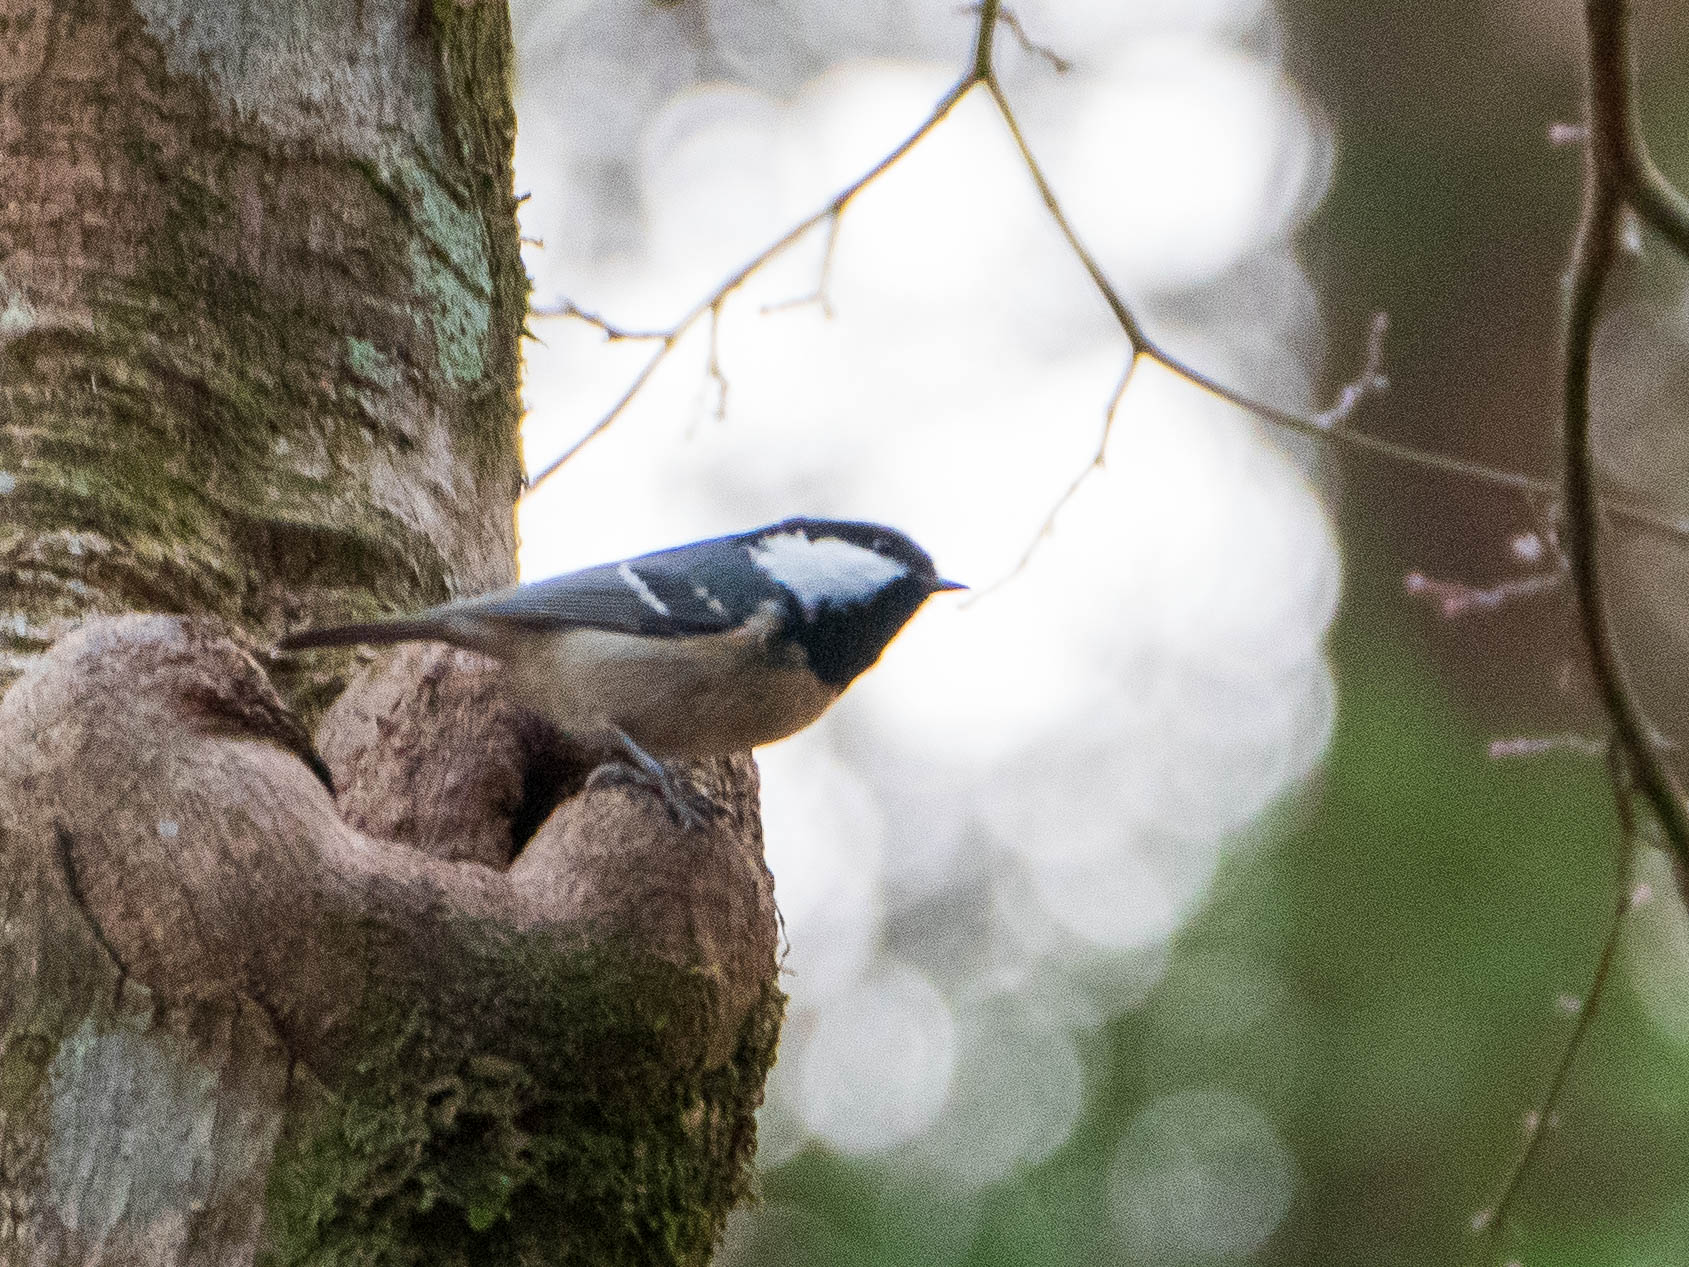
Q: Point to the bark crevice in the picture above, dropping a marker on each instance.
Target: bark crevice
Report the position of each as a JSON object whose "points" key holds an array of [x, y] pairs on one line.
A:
{"points": [[557, 1058], [260, 307]]}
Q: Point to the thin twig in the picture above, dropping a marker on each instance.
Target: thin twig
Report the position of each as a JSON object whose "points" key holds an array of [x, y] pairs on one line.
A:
{"points": [[1011, 19], [1542, 1117], [985, 40], [1123, 316], [1612, 143], [1319, 426], [1617, 173], [1536, 745], [1662, 210], [1617, 129], [1456, 598], [819, 295], [1659, 203], [713, 364], [612, 332], [1532, 486], [668, 338], [1099, 456], [1370, 381]]}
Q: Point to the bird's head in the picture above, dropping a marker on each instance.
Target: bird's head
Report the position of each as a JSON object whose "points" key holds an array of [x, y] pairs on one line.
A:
{"points": [[852, 585]]}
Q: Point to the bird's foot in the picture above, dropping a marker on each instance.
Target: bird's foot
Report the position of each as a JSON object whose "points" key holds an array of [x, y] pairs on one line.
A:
{"points": [[689, 805]]}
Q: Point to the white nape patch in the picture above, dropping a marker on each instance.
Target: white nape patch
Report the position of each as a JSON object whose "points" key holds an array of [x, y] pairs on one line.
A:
{"points": [[830, 570], [637, 584]]}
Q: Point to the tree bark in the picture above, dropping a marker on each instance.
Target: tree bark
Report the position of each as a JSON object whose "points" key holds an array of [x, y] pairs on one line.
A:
{"points": [[260, 302]]}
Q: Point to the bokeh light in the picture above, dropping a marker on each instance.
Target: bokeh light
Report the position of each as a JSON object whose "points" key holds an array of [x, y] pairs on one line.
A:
{"points": [[877, 1066], [1200, 1175], [1016, 1093], [984, 851]]}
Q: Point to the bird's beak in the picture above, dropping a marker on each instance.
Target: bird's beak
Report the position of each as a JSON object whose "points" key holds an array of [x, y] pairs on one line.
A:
{"points": [[942, 584]]}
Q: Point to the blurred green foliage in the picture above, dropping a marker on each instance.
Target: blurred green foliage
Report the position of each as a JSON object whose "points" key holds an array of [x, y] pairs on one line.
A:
{"points": [[1382, 970], [1385, 967]]}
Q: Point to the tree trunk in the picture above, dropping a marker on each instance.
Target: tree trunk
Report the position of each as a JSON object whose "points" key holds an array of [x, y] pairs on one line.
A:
{"points": [[260, 302]]}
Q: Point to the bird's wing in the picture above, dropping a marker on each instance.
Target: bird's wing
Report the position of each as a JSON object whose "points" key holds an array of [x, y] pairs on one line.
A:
{"points": [[659, 594]]}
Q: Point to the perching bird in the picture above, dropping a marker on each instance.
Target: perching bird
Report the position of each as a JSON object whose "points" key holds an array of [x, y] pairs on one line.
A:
{"points": [[696, 651]]}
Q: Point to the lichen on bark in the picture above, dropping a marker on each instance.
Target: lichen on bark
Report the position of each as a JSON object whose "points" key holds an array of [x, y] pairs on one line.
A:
{"points": [[188, 417], [481, 1159], [260, 303]]}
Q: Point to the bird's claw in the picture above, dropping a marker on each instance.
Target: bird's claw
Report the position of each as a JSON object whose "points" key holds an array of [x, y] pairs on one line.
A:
{"points": [[689, 805]]}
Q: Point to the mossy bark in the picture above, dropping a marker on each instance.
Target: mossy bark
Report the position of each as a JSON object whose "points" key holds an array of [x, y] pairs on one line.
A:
{"points": [[262, 294], [260, 302]]}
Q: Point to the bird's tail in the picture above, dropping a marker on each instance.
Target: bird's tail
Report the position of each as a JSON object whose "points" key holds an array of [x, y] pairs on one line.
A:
{"points": [[375, 632]]}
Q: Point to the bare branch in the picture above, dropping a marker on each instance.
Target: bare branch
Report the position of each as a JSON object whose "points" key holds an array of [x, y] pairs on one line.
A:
{"points": [[1455, 598], [1658, 201], [1327, 426], [985, 39], [1617, 172], [1371, 381], [1320, 426], [1538, 745], [1098, 458], [1317, 426], [1010, 19], [1123, 316], [613, 333], [1530, 486], [713, 301], [1612, 143], [1630, 896], [609, 416], [1616, 127], [1583, 745], [713, 364], [819, 294]]}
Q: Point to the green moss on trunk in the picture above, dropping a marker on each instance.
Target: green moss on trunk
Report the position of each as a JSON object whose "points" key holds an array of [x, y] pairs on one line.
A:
{"points": [[282, 383], [433, 1150]]}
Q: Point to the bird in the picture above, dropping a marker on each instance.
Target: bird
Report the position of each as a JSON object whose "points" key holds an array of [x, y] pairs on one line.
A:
{"points": [[700, 650]]}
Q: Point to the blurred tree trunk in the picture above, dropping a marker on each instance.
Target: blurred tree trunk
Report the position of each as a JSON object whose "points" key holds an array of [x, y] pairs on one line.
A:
{"points": [[260, 303]]}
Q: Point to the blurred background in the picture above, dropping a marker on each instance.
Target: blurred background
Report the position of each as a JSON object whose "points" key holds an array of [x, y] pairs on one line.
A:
{"points": [[1167, 902]]}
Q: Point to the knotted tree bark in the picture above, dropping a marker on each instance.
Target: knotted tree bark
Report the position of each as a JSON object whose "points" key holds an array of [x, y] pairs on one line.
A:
{"points": [[260, 300]]}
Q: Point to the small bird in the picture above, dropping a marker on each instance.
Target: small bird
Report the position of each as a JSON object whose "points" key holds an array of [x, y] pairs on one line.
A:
{"points": [[695, 651]]}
